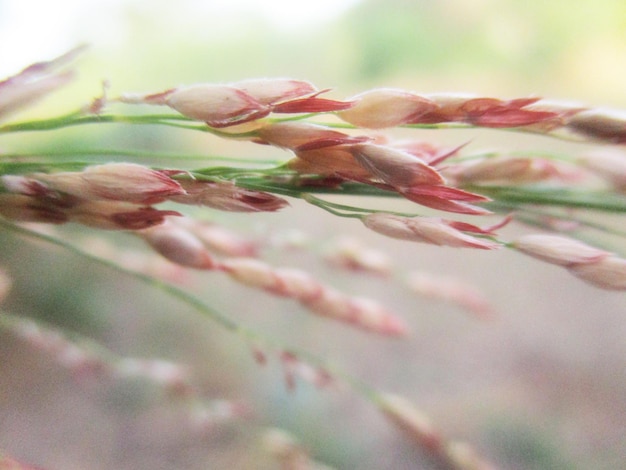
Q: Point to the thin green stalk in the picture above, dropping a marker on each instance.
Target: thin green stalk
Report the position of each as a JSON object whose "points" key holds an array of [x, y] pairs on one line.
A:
{"points": [[79, 118], [137, 154], [545, 196]]}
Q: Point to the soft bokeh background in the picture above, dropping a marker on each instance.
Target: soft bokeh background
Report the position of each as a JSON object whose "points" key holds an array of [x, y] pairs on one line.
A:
{"points": [[541, 386]]}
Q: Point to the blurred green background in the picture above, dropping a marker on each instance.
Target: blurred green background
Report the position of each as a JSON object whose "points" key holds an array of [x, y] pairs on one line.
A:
{"points": [[541, 387]]}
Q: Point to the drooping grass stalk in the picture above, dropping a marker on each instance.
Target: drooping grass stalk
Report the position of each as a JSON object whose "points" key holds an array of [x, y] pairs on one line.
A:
{"points": [[250, 336]]}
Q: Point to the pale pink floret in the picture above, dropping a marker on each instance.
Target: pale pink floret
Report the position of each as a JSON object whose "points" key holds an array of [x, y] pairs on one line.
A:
{"points": [[395, 167], [178, 245], [558, 250], [424, 229], [127, 182], [287, 282], [419, 428], [217, 105], [251, 272], [386, 107], [226, 196], [608, 273], [303, 136], [269, 91]]}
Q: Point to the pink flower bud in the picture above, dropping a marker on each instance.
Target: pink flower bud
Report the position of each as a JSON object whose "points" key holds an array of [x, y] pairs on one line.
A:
{"points": [[178, 245], [608, 273], [251, 272], [395, 167], [424, 229], [303, 136], [386, 107], [335, 162], [217, 105], [269, 91], [226, 196], [558, 250], [115, 181]]}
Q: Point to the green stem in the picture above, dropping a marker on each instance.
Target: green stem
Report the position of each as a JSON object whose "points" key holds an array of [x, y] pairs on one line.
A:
{"points": [[79, 118], [596, 200]]}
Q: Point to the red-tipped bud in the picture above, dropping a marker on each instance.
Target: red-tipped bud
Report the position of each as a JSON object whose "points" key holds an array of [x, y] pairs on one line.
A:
{"points": [[424, 229], [332, 161], [226, 196], [386, 107], [395, 167], [115, 181], [302, 136], [217, 105]]}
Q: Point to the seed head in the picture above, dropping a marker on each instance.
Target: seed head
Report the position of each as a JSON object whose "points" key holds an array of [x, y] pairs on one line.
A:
{"points": [[386, 107], [127, 182], [395, 167], [217, 105], [178, 245], [226, 196]]}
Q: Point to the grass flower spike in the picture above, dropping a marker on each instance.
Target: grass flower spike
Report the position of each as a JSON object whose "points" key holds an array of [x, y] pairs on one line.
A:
{"points": [[204, 221]]}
